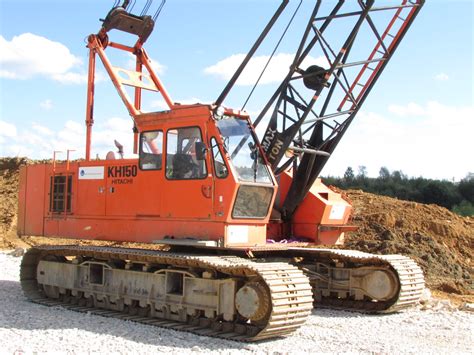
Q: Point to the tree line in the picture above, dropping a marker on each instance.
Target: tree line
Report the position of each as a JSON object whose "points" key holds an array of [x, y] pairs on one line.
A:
{"points": [[456, 196]]}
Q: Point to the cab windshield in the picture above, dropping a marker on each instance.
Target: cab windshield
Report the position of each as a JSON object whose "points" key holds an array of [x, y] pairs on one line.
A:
{"points": [[239, 143]]}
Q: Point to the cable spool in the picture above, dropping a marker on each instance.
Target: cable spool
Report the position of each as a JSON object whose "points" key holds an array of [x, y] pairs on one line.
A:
{"points": [[313, 77]]}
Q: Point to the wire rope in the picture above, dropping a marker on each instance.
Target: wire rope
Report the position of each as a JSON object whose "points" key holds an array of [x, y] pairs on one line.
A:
{"points": [[271, 56]]}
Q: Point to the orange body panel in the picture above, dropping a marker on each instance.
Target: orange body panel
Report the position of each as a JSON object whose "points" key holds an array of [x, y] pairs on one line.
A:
{"points": [[31, 205], [147, 207], [322, 217]]}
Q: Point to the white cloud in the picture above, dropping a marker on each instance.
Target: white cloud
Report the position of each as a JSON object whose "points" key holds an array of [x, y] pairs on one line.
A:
{"points": [[442, 77], [39, 142], [28, 55], [7, 129], [41, 129], [114, 128], [71, 78], [15, 150], [157, 66], [411, 109], [430, 109], [275, 73], [161, 105], [7, 74], [46, 104], [426, 142], [117, 124], [79, 78]]}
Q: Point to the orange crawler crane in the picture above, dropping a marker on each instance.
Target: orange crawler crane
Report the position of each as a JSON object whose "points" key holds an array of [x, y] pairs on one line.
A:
{"points": [[238, 221]]}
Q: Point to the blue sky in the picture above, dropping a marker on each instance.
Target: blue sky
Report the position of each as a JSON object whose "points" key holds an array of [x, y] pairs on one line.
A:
{"points": [[419, 118]]}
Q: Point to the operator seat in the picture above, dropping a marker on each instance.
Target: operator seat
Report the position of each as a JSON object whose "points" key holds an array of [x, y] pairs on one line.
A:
{"points": [[184, 167]]}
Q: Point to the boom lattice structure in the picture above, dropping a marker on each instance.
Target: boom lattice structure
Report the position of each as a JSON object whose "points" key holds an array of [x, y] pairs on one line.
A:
{"points": [[313, 107]]}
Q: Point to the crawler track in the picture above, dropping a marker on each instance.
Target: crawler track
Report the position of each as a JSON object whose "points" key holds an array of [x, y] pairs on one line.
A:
{"points": [[410, 278], [291, 291], [291, 295]]}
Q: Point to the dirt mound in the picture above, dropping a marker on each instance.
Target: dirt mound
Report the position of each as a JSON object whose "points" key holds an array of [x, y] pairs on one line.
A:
{"points": [[439, 240], [9, 174]]}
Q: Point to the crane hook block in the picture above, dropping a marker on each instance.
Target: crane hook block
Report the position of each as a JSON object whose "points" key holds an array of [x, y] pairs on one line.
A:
{"points": [[118, 18]]}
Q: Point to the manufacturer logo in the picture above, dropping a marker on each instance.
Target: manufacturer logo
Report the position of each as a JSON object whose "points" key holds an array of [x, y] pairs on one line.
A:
{"points": [[123, 171], [122, 174], [91, 173]]}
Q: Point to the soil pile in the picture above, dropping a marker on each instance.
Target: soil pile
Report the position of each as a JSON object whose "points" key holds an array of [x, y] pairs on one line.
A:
{"points": [[440, 241], [9, 174]]}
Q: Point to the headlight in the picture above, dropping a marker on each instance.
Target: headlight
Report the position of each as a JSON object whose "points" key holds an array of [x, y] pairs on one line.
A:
{"points": [[219, 113]]}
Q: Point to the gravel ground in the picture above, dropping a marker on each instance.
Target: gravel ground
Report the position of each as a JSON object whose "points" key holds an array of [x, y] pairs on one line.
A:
{"points": [[29, 328]]}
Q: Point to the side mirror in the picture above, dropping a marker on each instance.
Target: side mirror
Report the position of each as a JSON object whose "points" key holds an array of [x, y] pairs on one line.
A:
{"points": [[201, 150], [253, 151]]}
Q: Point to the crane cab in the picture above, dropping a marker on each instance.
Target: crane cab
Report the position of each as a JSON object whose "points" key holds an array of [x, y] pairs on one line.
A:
{"points": [[197, 179]]}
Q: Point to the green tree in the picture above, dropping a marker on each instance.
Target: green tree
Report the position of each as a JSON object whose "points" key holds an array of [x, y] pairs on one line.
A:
{"points": [[349, 174], [465, 208], [362, 171], [466, 188], [384, 174], [442, 193], [456, 197], [398, 175]]}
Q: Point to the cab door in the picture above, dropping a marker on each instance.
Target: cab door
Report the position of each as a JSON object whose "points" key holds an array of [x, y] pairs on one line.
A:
{"points": [[136, 189], [188, 179]]}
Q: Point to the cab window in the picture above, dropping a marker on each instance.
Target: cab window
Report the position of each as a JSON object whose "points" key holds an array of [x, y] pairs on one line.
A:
{"points": [[151, 150], [185, 154], [220, 168]]}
